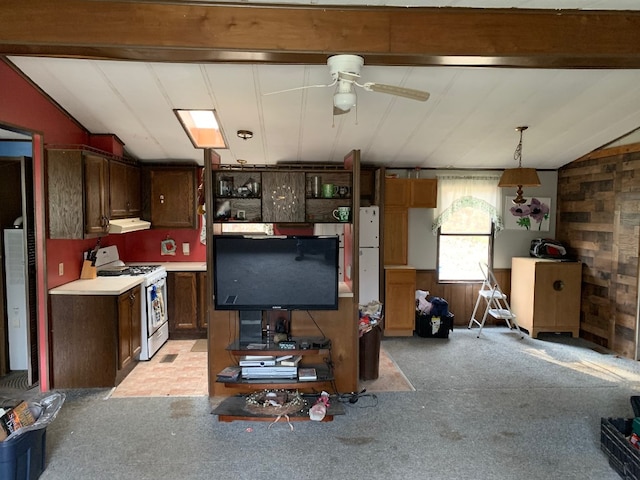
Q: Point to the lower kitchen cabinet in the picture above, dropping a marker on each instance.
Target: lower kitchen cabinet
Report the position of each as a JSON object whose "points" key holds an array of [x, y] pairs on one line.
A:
{"points": [[185, 305], [400, 304], [129, 327], [94, 338]]}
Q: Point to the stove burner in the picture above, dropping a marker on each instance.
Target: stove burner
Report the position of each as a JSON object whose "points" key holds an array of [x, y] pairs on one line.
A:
{"points": [[142, 269]]}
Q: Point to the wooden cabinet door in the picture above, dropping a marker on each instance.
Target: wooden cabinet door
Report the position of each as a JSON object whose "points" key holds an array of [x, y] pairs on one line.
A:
{"points": [[424, 193], [283, 197], [396, 233], [96, 194], [129, 327], [134, 191], [124, 190], [183, 305], [173, 197], [65, 194], [125, 307], [397, 192], [136, 322], [400, 306]]}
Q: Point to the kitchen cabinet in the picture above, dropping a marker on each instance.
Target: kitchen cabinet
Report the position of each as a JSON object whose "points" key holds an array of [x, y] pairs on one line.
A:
{"points": [[186, 303], [279, 196], [124, 190], [77, 193], [400, 195], [400, 304], [411, 192], [396, 234], [94, 338], [172, 199], [129, 327], [545, 295], [423, 193]]}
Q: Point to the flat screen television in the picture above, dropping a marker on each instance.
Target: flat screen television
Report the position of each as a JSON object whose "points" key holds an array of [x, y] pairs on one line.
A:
{"points": [[269, 273]]}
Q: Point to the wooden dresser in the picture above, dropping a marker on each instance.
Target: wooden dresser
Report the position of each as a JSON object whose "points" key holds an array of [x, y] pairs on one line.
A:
{"points": [[545, 295]]}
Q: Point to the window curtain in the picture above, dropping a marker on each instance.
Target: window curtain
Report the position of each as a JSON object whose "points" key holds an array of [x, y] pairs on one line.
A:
{"points": [[479, 192]]}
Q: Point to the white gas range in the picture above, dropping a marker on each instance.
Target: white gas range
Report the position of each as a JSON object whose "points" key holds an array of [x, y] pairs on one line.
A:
{"points": [[153, 312]]}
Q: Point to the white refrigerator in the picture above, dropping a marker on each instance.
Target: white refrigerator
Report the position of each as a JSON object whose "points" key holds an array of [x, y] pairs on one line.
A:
{"points": [[16, 293], [369, 261]]}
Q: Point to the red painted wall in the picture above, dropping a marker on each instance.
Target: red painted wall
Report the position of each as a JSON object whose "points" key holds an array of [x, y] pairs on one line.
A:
{"points": [[24, 106]]}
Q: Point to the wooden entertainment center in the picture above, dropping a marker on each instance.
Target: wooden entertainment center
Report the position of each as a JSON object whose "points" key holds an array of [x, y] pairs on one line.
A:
{"points": [[284, 195]]}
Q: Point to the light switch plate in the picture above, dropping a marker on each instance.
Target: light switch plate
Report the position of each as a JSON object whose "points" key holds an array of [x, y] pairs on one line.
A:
{"points": [[185, 248]]}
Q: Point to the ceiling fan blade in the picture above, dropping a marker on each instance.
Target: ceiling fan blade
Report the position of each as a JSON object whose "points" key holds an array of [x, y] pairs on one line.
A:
{"points": [[301, 88], [411, 93]]}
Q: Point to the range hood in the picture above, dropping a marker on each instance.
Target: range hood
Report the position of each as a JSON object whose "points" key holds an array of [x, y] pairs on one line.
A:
{"points": [[125, 225]]}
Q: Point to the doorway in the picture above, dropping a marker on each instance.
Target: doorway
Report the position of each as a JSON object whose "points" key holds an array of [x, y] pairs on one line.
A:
{"points": [[19, 366]]}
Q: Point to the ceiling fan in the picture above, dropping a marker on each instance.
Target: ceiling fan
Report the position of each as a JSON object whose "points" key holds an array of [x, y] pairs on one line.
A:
{"points": [[345, 72]]}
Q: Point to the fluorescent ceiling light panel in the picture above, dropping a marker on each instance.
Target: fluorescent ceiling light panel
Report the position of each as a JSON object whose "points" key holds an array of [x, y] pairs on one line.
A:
{"points": [[202, 127]]}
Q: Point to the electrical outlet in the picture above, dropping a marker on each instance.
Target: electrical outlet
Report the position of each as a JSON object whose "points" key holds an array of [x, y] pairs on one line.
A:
{"points": [[60, 269], [185, 248]]}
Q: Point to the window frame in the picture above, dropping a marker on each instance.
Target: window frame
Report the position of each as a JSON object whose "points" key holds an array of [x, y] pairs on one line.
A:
{"points": [[491, 236]]}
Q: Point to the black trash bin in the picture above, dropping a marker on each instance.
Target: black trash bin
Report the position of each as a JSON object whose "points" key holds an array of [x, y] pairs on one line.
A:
{"points": [[369, 355]]}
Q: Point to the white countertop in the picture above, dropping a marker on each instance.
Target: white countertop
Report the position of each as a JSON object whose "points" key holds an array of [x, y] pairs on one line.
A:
{"points": [[98, 286]]}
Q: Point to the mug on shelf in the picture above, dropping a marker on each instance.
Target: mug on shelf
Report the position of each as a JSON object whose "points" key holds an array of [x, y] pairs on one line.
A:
{"points": [[343, 191], [329, 190], [342, 214]]}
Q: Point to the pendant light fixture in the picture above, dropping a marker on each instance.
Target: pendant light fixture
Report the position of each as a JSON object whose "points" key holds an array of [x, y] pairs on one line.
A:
{"points": [[519, 177]]}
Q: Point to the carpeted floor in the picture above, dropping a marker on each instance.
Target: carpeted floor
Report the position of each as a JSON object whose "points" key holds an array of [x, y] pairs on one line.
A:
{"points": [[495, 408]]}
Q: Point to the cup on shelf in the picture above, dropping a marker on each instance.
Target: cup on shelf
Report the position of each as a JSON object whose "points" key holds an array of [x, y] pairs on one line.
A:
{"points": [[342, 214], [343, 191], [316, 186], [329, 190]]}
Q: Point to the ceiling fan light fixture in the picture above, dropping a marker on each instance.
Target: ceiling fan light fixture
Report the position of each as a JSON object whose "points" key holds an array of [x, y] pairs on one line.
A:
{"points": [[519, 177], [344, 100]]}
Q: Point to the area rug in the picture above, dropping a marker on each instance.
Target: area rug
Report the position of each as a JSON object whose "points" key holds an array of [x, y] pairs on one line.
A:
{"points": [[390, 377], [200, 345]]}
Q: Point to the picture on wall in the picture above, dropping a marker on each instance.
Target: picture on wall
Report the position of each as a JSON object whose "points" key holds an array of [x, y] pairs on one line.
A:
{"points": [[533, 215]]}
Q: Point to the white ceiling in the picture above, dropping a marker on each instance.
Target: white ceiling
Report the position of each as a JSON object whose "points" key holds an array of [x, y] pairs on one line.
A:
{"points": [[469, 121]]}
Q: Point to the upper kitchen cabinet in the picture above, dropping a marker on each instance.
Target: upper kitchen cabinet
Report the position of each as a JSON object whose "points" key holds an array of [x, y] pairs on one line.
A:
{"points": [[281, 195], [411, 192], [124, 190], [78, 193], [172, 196]]}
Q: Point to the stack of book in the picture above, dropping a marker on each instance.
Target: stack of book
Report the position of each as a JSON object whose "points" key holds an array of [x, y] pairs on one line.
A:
{"points": [[229, 374], [306, 373]]}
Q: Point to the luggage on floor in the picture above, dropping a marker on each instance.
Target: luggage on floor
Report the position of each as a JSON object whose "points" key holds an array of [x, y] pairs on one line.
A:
{"points": [[428, 325]]}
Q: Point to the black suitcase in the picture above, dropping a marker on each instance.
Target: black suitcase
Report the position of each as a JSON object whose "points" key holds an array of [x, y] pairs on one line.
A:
{"points": [[431, 326]]}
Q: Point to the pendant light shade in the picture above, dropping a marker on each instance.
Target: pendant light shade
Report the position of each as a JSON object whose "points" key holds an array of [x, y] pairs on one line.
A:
{"points": [[519, 177]]}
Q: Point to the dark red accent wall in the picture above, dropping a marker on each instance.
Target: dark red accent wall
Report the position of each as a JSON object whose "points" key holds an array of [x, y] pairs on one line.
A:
{"points": [[24, 106]]}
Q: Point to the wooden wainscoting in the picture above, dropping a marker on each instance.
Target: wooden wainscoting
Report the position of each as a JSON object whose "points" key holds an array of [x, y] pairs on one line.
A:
{"points": [[461, 296]]}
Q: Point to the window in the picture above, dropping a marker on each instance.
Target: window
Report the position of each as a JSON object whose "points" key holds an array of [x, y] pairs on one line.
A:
{"points": [[466, 221], [465, 239]]}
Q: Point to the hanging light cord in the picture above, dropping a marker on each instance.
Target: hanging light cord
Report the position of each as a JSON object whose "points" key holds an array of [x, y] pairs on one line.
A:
{"points": [[517, 155]]}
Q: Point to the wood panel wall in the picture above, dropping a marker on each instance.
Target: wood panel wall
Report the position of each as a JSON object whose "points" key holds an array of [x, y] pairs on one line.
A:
{"points": [[461, 296], [599, 220]]}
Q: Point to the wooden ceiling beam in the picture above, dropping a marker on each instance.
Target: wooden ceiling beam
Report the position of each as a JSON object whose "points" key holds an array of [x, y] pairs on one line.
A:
{"points": [[199, 32]]}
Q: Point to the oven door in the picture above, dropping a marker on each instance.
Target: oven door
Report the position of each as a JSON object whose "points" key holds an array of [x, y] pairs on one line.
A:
{"points": [[156, 305]]}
